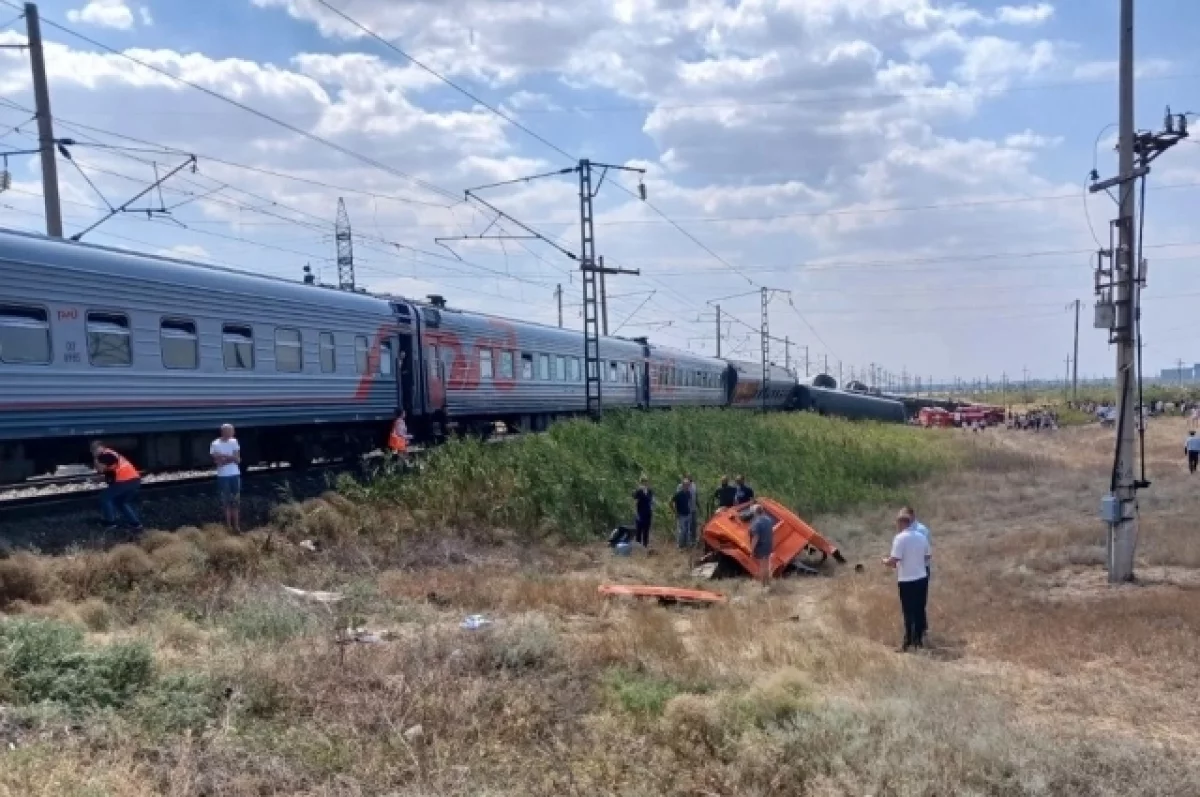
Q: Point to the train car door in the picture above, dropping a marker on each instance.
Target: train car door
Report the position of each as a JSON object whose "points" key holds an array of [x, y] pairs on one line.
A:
{"points": [[407, 359], [641, 375], [435, 368]]}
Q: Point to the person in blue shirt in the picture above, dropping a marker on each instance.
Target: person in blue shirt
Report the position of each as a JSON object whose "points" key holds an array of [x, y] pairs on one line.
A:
{"points": [[762, 542], [643, 499]]}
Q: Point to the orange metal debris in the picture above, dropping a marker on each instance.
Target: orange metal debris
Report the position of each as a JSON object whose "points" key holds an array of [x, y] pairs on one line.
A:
{"points": [[728, 533], [677, 594]]}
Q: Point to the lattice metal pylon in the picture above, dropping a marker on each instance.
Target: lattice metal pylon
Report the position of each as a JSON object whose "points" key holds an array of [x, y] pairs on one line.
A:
{"points": [[591, 309], [345, 248]]}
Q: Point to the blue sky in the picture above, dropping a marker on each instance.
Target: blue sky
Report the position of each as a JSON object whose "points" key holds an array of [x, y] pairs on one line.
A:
{"points": [[904, 167]]}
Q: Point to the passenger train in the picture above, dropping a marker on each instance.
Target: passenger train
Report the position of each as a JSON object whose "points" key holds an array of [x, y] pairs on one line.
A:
{"points": [[153, 354]]}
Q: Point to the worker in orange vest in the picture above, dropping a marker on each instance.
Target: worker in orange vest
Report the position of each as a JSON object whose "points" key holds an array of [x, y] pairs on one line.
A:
{"points": [[398, 439], [124, 482]]}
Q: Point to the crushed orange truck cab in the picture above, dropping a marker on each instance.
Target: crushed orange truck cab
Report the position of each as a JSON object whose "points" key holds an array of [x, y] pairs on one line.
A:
{"points": [[728, 533]]}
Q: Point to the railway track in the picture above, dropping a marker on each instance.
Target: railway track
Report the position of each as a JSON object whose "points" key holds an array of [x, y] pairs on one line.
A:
{"points": [[57, 521], [70, 516]]}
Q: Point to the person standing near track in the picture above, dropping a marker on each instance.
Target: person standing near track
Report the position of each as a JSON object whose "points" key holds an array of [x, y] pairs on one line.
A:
{"points": [[762, 543], [398, 439], [920, 528], [227, 456], [685, 511], [124, 482], [909, 558], [1192, 447], [643, 499]]}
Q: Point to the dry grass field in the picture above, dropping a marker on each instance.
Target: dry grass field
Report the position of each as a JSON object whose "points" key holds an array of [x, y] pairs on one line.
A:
{"points": [[193, 673]]}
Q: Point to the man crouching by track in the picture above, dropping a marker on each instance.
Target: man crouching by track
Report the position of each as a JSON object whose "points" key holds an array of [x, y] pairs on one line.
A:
{"points": [[124, 482]]}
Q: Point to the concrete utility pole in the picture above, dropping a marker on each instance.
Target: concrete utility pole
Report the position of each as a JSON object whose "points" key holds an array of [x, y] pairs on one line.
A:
{"points": [[1067, 378], [718, 331], [1179, 371], [558, 299], [603, 299], [806, 361], [825, 370], [1075, 360], [787, 353], [1123, 528], [45, 122], [839, 373]]}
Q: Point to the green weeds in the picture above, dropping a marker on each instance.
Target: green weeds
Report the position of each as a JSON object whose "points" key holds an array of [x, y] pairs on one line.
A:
{"points": [[577, 479]]}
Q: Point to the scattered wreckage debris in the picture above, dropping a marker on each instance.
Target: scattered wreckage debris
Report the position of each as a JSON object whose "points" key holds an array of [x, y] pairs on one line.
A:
{"points": [[797, 547], [666, 595]]}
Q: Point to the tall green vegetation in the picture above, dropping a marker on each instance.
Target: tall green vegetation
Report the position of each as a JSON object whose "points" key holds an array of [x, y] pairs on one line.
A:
{"points": [[577, 479]]}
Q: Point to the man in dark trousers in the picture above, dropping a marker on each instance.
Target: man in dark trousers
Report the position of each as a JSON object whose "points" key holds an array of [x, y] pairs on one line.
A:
{"points": [[742, 493], [762, 542], [684, 506], [909, 558], [726, 494], [1192, 447], [643, 499]]}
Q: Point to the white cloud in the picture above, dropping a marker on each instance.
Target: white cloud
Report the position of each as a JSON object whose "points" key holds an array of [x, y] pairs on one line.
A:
{"points": [[104, 14], [1031, 140], [147, 18], [1025, 15]]}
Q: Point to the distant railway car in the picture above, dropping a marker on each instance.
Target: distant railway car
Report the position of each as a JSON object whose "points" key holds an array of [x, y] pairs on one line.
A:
{"points": [[154, 354], [854, 406], [483, 369], [682, 379], [747, 386]]}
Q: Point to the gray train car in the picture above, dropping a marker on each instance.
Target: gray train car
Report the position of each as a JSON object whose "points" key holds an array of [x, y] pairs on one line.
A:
{"points": [[154, 354], [482, 369], [746, 384], [682, 379], [854, 406]]}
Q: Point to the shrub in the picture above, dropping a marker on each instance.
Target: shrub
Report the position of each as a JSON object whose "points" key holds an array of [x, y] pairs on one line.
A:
{"points": [[527, 641], [48, 661], [269, 620], [577, 478], [641, 693], [176, 703], [22, 577]]}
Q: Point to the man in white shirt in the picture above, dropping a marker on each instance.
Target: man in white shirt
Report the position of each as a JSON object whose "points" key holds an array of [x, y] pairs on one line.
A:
{"points": [[920, 528], [227, 455], [1192, 447], [910, 559]]}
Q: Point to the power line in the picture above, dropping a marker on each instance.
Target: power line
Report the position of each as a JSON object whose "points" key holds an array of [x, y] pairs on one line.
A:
{"points": [[444, 79], [247, 108]]}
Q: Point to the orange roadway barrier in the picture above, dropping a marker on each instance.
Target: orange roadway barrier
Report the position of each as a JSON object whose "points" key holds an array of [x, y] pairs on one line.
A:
{"points": [[662, 593], [728, 533]]}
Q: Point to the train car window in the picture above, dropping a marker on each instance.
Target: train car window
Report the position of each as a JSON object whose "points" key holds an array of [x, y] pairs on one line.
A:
{"points": [[431, 361], [506, 365], [24, 335], [289, 351], [576, 371], [362, 351], [109, 341], [387, 360], [179, 343], [544, 367], [612, 372], [328, 350], [237, 345], [485, 363], [527, 366], [560, 369]]}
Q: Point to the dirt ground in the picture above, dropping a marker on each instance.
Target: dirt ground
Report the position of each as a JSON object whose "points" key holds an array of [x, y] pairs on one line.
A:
{"points": [[1041, 679]]}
